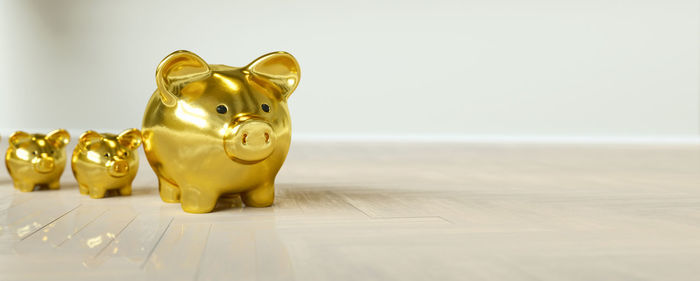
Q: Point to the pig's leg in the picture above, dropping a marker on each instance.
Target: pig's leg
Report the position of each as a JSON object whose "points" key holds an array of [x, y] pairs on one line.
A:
{"points": [[84, 189], [169, 192], [126, 190], [261, 196], [54, 185], [24, 186], [97, 192], [195, 200]]}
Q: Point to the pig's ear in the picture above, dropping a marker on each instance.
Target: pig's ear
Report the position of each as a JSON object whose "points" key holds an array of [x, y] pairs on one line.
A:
{"points": [[175, 71], [88, 138], [58, 138], [130, 138], [19, 137], [279, 71]]}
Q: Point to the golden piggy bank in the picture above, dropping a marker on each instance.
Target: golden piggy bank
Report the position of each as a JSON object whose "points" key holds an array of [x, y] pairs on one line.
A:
{"points": [[211, 130], [103, 162], [37, 160]]}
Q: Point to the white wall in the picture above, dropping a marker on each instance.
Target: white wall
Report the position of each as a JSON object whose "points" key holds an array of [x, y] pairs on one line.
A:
{"points": [[472, 68]]}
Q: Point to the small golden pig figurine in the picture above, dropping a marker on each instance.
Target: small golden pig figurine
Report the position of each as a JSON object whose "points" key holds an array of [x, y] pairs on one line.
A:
{"points": [[104, 162], [36, 159], [212, 130]]}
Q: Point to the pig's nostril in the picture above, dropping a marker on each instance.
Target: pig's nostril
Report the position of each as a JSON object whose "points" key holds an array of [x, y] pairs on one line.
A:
{"points": [[245, 138], [267, 137]]}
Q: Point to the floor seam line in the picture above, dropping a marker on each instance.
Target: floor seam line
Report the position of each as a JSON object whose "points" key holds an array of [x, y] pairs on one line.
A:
{"points": [[52, 221], [150, 253], [356, 208], [115, 237], [81, 229], [199, 263]]}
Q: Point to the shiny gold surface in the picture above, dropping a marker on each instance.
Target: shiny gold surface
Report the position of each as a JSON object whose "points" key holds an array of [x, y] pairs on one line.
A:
{"points": [[36, 159], [211, 130], [103, 162]]}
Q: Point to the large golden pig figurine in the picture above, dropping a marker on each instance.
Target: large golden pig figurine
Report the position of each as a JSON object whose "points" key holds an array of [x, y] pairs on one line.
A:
{"points": [[211, 130], [36, 159], [103, 162]]}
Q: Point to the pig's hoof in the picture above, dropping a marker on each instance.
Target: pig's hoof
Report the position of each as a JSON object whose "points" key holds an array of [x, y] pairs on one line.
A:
{"points": [[96, 193], [124, 191], [260, 197], [84, 190], [54, 185], [194, 201], [169, 192], [24, 187]]}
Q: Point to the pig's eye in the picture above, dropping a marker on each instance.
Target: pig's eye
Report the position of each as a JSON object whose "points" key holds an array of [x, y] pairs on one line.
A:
{"points": [[107, 155], [265, 107], [221, 109], [35, 153]]}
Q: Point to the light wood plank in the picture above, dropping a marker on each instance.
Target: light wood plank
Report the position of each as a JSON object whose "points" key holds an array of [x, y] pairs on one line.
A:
{"points": [[385, 212]]}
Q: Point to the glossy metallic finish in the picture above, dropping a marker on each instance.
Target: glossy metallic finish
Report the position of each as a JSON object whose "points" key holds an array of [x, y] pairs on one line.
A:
{"points": [[36, 159], [103, 162], [211, 130]]}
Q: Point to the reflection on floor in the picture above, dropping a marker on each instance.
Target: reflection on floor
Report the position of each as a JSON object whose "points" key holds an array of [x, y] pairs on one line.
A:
{"points": [[385, 212]]}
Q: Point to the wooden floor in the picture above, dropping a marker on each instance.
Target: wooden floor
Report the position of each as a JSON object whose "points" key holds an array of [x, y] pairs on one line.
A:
{"points": [[385, 212]]}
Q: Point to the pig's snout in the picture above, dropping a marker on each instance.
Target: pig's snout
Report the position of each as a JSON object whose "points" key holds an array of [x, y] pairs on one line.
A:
{"points": [[43, 164], [118, 168], [250, 140]]}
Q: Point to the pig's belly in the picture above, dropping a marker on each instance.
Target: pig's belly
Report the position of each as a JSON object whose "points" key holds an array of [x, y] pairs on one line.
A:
{"points": [[203, 164], [20, 170], [91, 175]]}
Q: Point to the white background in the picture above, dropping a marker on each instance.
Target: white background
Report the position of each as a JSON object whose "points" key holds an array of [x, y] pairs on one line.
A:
{"points": [[486, 69]]}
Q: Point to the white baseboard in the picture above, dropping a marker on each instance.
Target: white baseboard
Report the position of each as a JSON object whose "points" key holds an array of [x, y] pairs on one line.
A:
{"points": [[301, 137], [689, 140], [75, 133]]}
